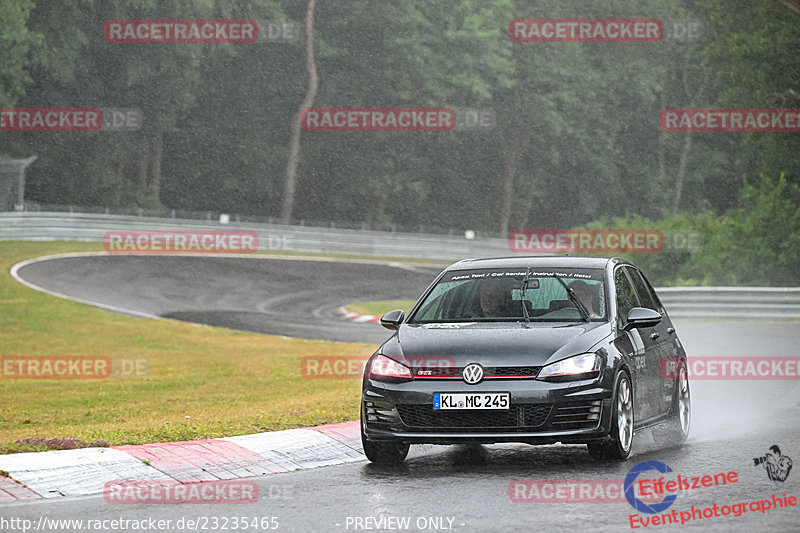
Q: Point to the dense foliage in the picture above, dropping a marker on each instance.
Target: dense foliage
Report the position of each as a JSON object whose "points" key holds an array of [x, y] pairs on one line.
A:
{"points": [[575, 138]]}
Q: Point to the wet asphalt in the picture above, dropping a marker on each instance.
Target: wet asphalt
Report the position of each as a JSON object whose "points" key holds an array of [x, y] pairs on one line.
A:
{"points": [[291, 297], [439, 488]]}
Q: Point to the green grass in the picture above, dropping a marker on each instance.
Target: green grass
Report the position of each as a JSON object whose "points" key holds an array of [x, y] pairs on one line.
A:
{"points": [[379, 308], [204, 382]]}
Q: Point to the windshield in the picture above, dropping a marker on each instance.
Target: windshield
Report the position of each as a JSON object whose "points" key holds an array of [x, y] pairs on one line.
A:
{"points": [[496, 295]]}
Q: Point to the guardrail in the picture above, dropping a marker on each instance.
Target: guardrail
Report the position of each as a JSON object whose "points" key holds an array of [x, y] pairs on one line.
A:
{"points": [[731, 302], [681, 302], [90, 227]]}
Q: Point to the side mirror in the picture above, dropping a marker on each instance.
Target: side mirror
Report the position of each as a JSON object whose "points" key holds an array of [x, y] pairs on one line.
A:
{"points": [[392, 319], [642, 317]]}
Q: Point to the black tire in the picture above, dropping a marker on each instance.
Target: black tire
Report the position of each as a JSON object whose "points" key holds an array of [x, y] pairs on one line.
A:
{"points": [[676, 429], [383, 452], [619, 444]]}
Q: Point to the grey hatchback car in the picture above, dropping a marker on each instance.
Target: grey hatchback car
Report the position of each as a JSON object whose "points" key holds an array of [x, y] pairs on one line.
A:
{"points": [[537, 350]]}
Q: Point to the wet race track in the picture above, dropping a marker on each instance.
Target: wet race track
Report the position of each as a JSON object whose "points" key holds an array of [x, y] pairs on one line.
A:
{"points": [[296, 298], [456, 488]]}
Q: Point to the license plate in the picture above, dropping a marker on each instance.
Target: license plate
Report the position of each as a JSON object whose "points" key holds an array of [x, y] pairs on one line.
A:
{"points": [[490, 400]]}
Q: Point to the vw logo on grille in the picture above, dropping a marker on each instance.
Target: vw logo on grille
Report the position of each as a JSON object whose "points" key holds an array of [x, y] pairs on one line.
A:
{"points": [[473, 373]]}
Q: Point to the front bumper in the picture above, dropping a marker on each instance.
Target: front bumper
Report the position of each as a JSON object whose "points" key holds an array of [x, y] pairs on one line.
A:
{"points": [[540, 412]]}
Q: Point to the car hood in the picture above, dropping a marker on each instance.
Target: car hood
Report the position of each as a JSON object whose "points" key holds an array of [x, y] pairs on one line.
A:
{"points": [[495, 344]]}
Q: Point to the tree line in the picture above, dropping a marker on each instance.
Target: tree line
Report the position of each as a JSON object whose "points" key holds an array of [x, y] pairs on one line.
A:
{"points": [[572, 136]]}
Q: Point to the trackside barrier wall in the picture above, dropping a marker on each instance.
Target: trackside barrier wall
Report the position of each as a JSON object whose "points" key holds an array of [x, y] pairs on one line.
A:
{"points": [[681, 302]]}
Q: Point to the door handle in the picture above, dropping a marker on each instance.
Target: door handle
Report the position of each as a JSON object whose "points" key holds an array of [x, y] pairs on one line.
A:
{"points": [[654, 335]]}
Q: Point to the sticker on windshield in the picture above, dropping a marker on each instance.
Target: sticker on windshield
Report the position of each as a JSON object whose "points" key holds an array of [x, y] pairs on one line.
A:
{"points": [[520, 274]]}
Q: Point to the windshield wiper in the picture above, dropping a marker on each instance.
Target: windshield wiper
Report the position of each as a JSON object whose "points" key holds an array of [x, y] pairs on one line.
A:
{"points": [[523, 288], [574, 299]]}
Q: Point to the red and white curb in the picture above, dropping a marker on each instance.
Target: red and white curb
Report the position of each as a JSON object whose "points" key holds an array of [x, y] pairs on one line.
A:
{"points": [[86, 471], [355, 317]]}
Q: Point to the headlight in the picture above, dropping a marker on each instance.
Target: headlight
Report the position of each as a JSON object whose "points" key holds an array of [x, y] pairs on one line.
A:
{"points": [[383, 368], [584, 366]]}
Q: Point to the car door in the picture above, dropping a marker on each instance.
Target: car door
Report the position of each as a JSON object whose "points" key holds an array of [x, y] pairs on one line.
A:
{"points": [[657, 341], [635, 345], [668, 347]]}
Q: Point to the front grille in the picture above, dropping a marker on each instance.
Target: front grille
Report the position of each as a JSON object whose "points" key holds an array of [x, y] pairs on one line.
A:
{"points": [[513, 371], [489, 372], [519, 417], [577, 415]]}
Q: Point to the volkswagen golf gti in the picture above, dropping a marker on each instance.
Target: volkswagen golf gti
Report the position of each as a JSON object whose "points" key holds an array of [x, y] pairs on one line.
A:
{"points": [[537, 350]]}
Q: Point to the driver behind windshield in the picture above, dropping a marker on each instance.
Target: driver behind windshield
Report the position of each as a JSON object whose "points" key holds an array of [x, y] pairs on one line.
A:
{"points": [[588, 297], [495, 299]]}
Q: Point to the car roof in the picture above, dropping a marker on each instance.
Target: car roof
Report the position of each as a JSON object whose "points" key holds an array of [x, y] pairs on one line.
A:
{"points": [[537, 262]]}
